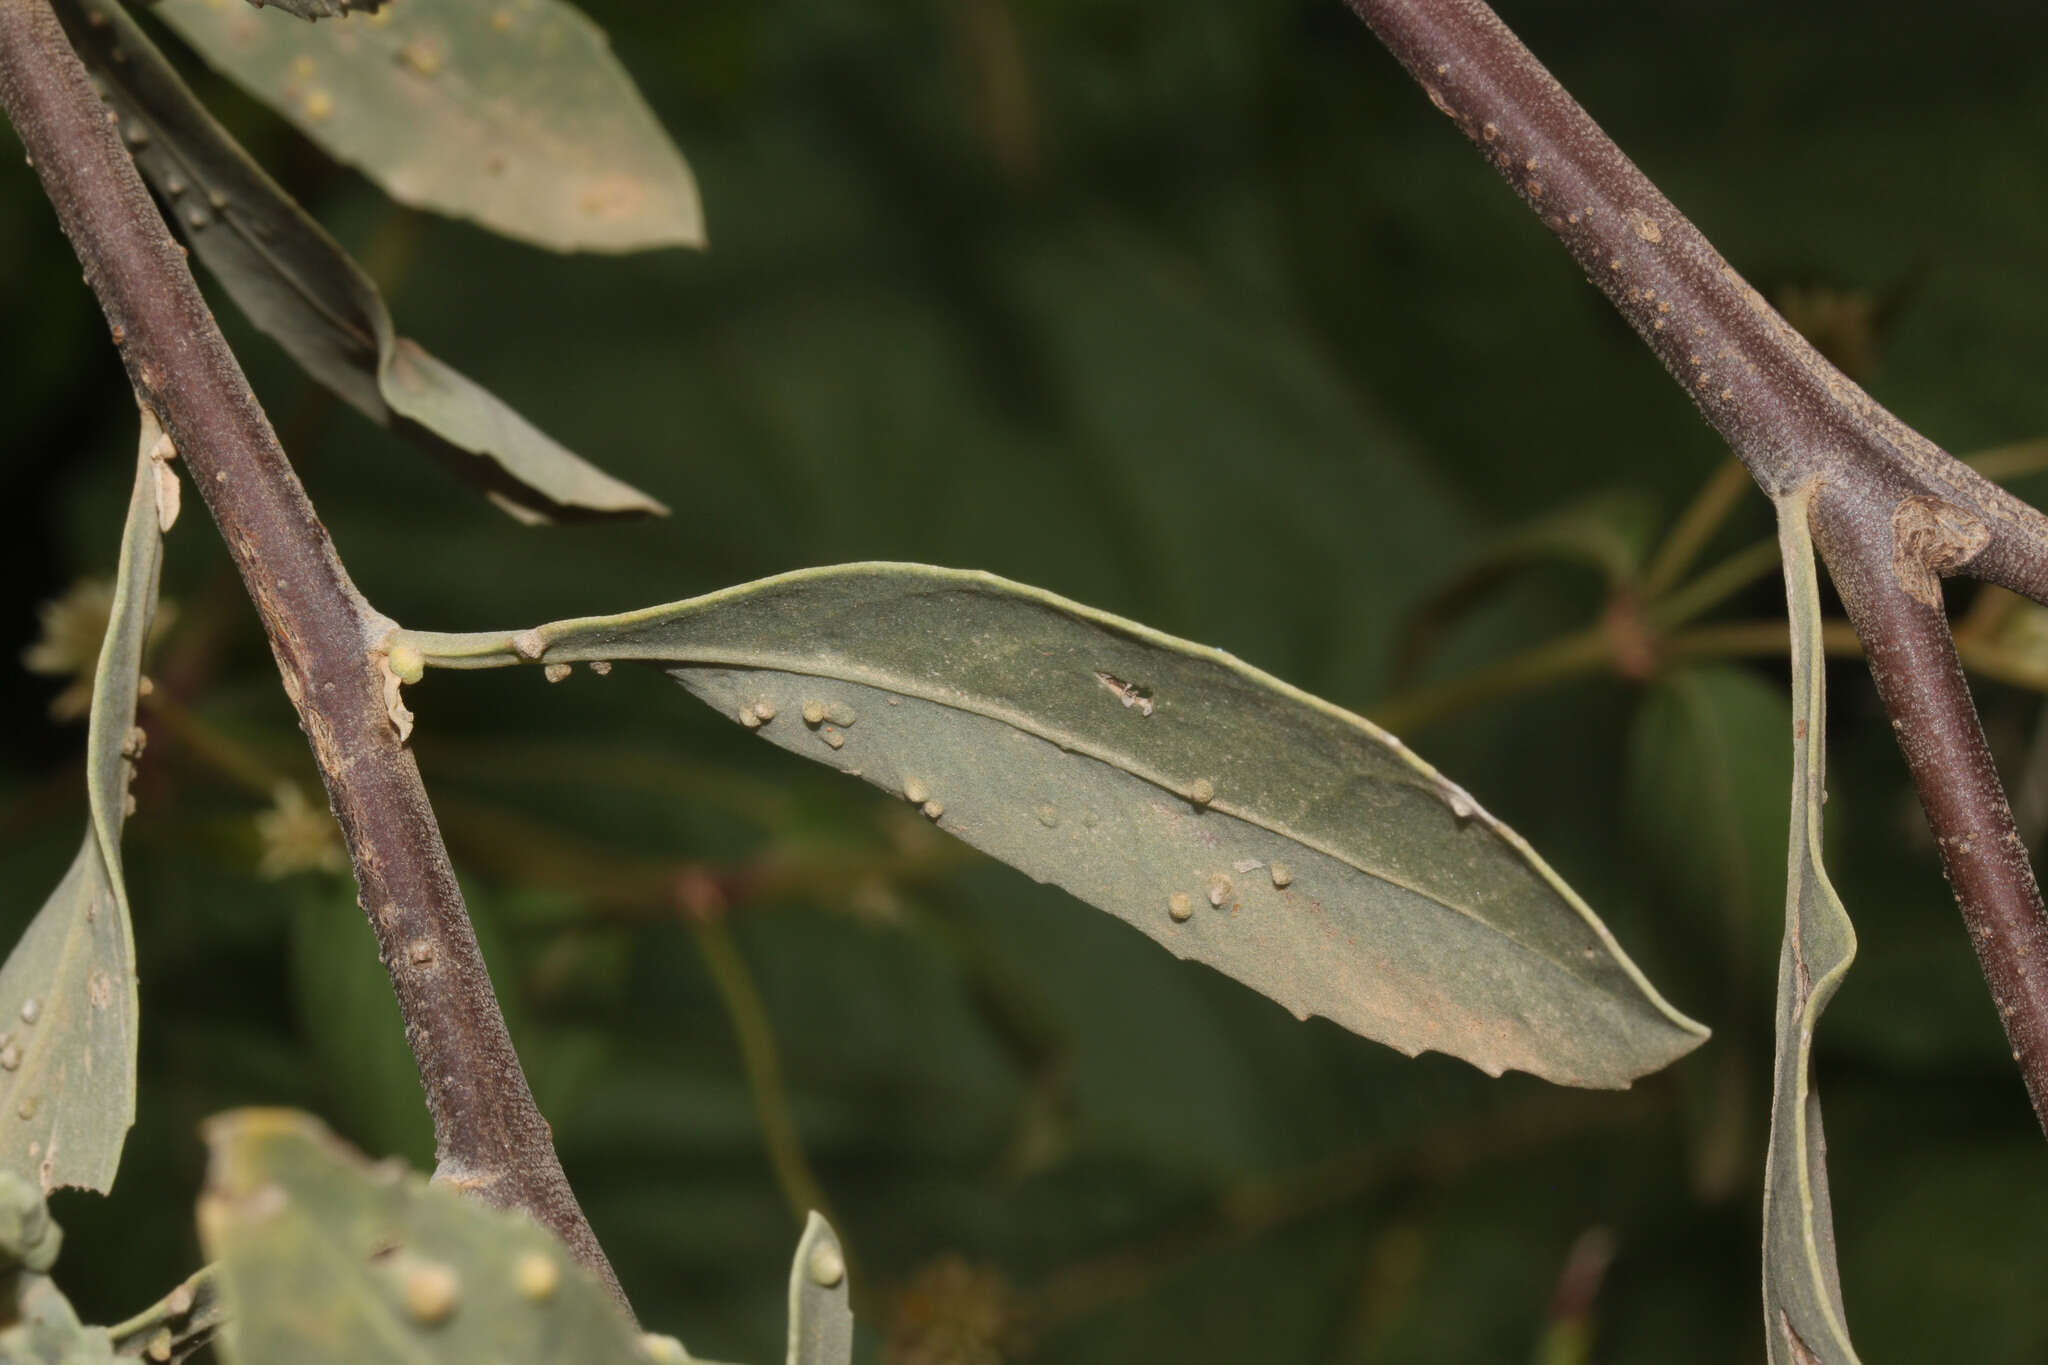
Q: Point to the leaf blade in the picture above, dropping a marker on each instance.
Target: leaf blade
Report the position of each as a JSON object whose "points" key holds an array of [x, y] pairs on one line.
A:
{"points": [[820, 1305], [67, 990], [324, 1257], [572, 162], [304, 292], [1804, 1321], [1171, 785]]}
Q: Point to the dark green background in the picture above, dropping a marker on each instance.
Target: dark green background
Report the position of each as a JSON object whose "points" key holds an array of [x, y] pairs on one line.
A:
{"points": [[1210, 321]]}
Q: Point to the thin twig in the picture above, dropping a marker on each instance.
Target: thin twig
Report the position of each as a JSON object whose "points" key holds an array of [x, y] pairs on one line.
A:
{"points": [[1694, 528], [1898, 513], [489, 1136], [762, 1060]]}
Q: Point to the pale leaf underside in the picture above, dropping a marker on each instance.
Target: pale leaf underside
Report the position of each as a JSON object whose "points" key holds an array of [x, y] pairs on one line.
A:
{"points": [[304, 292], [68, 1009], [514, 113], [326, 1259], [1804, 1323], [820, 1306], [1234, 819]]}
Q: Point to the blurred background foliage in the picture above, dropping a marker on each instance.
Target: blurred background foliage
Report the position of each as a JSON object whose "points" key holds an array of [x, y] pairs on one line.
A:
{"points": [[1202, 316]]}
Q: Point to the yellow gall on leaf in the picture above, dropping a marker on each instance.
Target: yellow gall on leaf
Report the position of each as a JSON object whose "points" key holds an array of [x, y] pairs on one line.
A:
{"points": [[430, 1291], [536, 1276]]}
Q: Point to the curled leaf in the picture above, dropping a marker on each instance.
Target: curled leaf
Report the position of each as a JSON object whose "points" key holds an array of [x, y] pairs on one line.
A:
{"points": [[1235, 819], [512, 112], [1804, 1323], [303, 291], [68, 1013]]}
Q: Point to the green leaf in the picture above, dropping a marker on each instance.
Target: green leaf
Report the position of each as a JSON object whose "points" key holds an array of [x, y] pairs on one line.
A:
{"points": [[1235, 819], [512, 112], [820, 1310], [43, 1330], [37, 1325], [1608, 533], [303, 291], [352, 1025], [1707, 778], [1804, 1323], [325, 1257], [68, 1014], [28, 1237]]}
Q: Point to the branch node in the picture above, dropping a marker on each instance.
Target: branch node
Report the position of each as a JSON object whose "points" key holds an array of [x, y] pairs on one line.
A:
{"points": [[1932, 537]]}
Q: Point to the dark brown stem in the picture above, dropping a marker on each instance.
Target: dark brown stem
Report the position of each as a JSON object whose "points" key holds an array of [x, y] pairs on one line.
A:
{"points": [[1913, 658], [490, 1138], [1897, 513]]}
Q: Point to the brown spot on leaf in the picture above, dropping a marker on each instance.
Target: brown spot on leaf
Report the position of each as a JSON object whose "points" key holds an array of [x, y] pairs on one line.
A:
{"points": [[1802, 1354]]}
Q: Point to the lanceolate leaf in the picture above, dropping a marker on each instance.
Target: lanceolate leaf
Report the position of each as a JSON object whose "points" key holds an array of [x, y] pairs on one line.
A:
{"points": [[1803, 1319], [1231, 817], [67, 992], [511, 112], [298, 285], [326, 1259]]}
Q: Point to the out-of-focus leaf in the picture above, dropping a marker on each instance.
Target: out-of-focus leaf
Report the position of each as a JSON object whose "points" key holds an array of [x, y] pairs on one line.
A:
{"points": [[1804, 1323], [298, 286], [1234, 819], [68, 1013], [44, 1331], [327, 1258], [321, 9], [37, 1324], [512, 112], [1707, 778], [820, 1309], [1609, 534], [177, 1326], [29, 1239], [350, 1019]]}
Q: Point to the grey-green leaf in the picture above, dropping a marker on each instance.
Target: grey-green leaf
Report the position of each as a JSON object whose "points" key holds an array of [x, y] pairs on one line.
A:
{"points": [[302, 290], [1804, 1323], [1235, 819], [514, 113], [68, 1013], [41, 1329], [820, 1307], [326, 1259]]}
